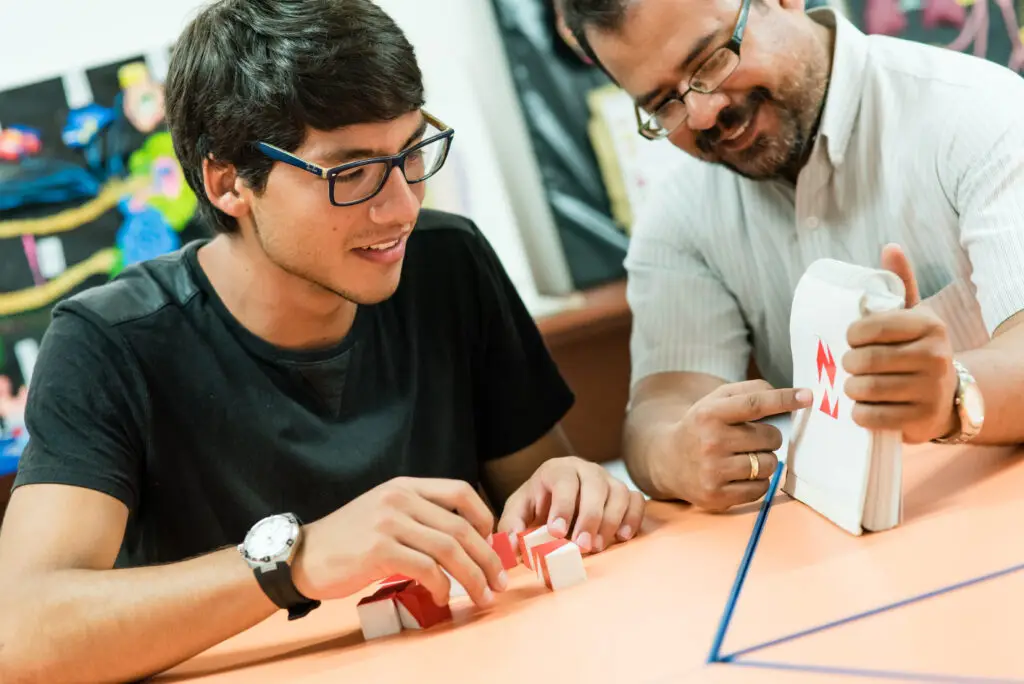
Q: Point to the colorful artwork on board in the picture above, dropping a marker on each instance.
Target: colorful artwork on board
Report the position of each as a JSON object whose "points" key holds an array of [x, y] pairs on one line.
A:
{"points": [[85, 192]]}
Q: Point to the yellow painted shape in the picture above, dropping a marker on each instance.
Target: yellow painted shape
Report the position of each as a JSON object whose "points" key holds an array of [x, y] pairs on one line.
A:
{"points": [[20, 301], [965, 3], [77, 217]]}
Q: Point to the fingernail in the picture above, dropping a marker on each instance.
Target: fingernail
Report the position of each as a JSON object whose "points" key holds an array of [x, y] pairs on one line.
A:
{"points": [[558, 525], [598, 543], [488, 597], [625, 532], [583, 541], [502, 580], [804, 396]]}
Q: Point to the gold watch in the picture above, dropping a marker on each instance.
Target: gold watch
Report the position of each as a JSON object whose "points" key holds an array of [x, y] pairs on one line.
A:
{"points": [[969, 405]]}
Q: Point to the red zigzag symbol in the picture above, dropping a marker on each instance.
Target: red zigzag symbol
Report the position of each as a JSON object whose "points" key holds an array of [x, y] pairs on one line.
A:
{"points": [[828, 364]]}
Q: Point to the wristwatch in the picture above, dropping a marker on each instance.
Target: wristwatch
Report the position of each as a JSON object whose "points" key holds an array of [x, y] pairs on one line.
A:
{"points": [[269, 549], [970, 407]]}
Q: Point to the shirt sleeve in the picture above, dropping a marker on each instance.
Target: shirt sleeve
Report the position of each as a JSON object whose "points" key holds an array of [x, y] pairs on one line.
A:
{"points": [[684, 317], [519, 393], [85, 411], [987, 156]]}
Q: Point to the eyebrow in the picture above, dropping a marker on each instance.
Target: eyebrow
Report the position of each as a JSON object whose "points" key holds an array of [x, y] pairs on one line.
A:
{"points": [[345, 155], [699, 47]]}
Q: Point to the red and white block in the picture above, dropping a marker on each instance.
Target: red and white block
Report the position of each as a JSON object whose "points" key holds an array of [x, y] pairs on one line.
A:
{"points": [[417, 610], [560, 564], [502, 545], [378, 614], [535, 536]]}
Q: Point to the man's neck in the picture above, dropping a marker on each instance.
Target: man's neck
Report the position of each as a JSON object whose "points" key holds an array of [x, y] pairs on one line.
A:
{"points": [[276, 306]]}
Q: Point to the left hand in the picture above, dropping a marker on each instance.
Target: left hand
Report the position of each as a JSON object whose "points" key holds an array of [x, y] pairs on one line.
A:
{"points": [[901, 365], [570, 488]]}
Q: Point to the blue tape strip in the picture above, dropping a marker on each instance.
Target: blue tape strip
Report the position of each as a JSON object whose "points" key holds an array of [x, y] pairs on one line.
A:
{"points": [[874, 611], [741, 573], [875, 674]]}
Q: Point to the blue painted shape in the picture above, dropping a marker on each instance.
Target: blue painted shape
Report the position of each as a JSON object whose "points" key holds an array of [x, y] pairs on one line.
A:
{"points": [[145, 234], [84, 124], [874, 674], [741, 573], [875, 611]]}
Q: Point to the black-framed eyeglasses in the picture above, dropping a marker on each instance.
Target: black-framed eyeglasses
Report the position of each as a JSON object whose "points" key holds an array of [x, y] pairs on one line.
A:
{"points": [[359, 181], [706, 79]]}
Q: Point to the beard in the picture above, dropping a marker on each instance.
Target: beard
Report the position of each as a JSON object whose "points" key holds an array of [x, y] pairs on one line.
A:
{"points": [[797, 105]]}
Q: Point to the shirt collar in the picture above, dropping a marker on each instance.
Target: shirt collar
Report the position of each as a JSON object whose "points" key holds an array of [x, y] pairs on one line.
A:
{"points": [[846, 82]]}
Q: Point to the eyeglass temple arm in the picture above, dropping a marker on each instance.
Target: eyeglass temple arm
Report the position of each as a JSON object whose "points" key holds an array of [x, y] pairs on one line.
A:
{"points": [[289, 158]]}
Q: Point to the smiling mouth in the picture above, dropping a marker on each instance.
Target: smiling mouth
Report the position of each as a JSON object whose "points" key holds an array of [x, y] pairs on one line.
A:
{"points": [[383, 246]]}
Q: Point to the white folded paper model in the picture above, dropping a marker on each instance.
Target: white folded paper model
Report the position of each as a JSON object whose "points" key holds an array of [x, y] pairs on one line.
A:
{"points": [[849, 474]]}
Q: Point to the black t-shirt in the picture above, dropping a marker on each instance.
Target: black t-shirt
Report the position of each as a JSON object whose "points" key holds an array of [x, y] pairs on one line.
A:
{"points": [[147, 389]]}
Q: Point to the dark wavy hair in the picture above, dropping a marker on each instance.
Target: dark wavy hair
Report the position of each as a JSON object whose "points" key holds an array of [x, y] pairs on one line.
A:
{"points": [[267, 70]]}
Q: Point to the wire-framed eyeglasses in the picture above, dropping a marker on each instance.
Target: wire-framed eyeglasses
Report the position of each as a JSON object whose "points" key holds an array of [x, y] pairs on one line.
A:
{"points": [[355, 182], [706, 79]]}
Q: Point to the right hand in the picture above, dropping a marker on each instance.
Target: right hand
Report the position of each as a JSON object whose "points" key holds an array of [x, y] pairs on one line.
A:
{"points": [[405, 526], [709, 449]]}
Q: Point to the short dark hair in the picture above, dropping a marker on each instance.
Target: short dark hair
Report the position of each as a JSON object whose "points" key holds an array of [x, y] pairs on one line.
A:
{"points": [[264, 70], [605, 15]]}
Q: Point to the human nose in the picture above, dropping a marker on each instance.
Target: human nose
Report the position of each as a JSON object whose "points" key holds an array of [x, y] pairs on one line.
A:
{"points": [[396, 202], [702, 110]]}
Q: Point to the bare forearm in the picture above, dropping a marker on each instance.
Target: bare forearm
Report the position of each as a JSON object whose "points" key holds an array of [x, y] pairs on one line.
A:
{"points": [[998, 368], [121, 625], [659, 405]]}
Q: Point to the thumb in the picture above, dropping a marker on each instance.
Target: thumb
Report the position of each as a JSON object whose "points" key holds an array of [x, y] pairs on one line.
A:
{"points": [[518, 513], [896, 261]]}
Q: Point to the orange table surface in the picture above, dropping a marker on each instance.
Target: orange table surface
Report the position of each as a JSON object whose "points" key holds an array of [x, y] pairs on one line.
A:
{"points": [[650, 608]]}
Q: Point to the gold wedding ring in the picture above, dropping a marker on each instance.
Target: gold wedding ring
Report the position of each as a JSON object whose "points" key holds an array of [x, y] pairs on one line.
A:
{"points": [[755, 466]]}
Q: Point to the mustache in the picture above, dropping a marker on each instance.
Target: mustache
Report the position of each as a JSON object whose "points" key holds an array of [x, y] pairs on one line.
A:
{"points": [[731, 117]]}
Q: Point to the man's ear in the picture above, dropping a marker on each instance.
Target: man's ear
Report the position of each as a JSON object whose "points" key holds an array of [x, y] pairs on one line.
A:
{"points": [[224, 188]]}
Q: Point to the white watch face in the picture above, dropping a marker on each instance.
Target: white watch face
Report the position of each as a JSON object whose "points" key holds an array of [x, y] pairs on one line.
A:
{"points": [[271, 537]]}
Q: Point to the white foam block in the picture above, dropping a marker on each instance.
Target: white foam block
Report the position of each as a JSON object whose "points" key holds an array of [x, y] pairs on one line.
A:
{"points": [[50, 254], [379, 618], [535, 538], [405, 618], [565, 567]]}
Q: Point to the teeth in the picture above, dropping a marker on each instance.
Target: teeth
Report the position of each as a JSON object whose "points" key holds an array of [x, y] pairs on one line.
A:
{"points": [[383, 246]]}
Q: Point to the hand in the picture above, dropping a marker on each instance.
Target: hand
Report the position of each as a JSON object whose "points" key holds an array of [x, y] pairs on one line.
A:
{"points": [[709, 450], [901, 366], [405, 526], [607, 509]]}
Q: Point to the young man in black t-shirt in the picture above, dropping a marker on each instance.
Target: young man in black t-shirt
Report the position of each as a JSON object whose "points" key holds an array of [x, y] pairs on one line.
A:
{"points": [[303, 404]]}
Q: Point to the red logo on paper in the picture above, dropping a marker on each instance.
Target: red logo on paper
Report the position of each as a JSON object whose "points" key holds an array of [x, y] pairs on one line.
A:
{"points": [[827, 364]]}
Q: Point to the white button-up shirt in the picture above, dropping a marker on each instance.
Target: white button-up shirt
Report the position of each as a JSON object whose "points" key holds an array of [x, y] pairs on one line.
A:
{"points": [[918, 145]]}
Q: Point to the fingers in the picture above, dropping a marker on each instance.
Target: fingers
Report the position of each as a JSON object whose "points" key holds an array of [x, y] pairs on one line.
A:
{"points": [[888, 416], [456, 547], [565, 491], [751, 437], [739, 467], [421, 567], [894, 259], [454, 495], [739, 493], [744, 408], [877, 389], [891, 327], [615, 508], [633, 518], [593, 497], [876, 359], [519, 512]]}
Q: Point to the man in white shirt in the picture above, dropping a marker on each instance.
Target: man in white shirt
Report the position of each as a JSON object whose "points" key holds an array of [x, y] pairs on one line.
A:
{"points": [[808, 139]]}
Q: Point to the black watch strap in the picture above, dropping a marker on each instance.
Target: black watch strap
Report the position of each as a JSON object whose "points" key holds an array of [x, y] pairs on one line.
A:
{"points": [[278, 586]]}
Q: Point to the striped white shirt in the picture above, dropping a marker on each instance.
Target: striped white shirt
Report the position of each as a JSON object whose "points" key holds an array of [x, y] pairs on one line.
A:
{"points": [[918, 145]]}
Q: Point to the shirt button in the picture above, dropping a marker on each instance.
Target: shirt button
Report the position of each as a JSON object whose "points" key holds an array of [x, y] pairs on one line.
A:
{"points": [[812, 222]]}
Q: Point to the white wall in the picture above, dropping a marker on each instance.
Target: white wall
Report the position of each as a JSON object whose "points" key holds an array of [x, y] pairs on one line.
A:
{"points": [[467, 82]]}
